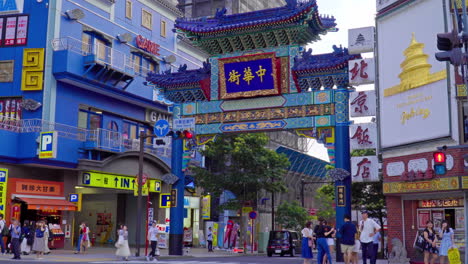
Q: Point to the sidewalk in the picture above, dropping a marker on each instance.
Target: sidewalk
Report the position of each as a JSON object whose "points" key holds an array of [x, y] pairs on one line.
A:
{"points": [[108, 254], [105, 254]]}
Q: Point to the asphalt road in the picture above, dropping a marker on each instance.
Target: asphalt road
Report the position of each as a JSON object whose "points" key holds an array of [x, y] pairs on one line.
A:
{"points": [[186, 260]]}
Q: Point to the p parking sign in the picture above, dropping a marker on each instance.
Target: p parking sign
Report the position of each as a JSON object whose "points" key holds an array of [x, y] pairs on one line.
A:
{"points": [[48, 145]]}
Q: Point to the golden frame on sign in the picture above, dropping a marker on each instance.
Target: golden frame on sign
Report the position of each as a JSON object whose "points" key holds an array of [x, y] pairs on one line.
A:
{"points": [[222, 76]]}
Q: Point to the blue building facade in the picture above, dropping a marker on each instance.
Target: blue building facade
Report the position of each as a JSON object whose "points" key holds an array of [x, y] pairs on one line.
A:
{"points": [[77, 69]]}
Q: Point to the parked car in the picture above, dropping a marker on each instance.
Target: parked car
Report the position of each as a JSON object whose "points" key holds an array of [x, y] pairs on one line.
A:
{"points": [[284, 243]]}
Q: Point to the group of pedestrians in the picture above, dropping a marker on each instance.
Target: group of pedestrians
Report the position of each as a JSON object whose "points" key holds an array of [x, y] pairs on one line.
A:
{"points": [[365, 236], [24, 239], [431, 238]]}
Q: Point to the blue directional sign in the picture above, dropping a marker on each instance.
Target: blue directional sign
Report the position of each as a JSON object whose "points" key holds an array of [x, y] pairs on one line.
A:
{"points": [[161, 128]]}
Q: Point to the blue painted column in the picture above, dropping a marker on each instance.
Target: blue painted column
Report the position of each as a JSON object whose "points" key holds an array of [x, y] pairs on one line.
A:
{"points": [[342, 160], [176, 231]]}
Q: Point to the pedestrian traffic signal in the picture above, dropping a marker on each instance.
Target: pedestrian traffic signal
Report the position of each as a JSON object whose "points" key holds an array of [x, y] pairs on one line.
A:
{"points": [[451, 44], [440, 166]]}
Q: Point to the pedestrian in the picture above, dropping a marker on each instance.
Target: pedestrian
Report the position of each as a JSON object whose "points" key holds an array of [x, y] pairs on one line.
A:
{"points": [[357, 247], [8, 242], [348, 232], [307, 243], [83, 238], [376, 242], [3, 233], [430, 241], [329, 234], [447, 235], [46, 238], [153, 238], [39, 242], [122, 244], [25, 234], [322, 244], [368, 228], [209, 239], [15, 239]]}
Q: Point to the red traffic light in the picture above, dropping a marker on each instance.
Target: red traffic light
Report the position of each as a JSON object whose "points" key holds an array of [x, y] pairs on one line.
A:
{"points": [[439, 157], [188, 134]]}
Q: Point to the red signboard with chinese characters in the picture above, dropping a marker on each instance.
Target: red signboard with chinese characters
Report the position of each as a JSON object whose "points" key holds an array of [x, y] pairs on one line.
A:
{"points": [[361, 71], [37, 187], [14, 30], [147, 45], [362, 103], [363, 136]]}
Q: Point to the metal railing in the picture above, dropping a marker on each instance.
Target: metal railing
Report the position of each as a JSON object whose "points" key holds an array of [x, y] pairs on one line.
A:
{"points": [[103, 53], [99, 139]]}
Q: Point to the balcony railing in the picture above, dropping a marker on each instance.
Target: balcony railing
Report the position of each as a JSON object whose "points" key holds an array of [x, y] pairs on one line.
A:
{"points": [[102, 54], [100, 139]]}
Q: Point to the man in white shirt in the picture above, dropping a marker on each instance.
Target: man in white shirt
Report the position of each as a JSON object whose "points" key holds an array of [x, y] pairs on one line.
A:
{"points": [[209, 239], [153, 238], [368, 228]]}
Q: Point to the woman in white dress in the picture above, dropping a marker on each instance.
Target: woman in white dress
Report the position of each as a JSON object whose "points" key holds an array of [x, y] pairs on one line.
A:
{"points": [[122, 244]]}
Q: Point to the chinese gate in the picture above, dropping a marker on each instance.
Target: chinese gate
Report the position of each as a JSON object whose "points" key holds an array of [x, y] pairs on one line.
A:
{"points": [[258, 78]]}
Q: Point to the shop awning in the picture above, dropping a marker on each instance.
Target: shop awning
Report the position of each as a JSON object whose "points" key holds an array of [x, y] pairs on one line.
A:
{"points": [[48, 204]]}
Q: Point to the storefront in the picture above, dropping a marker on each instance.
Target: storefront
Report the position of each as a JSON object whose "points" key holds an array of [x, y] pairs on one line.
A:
{"points": [[191, 220], [35, 200], [109, 200], [415, 195]]}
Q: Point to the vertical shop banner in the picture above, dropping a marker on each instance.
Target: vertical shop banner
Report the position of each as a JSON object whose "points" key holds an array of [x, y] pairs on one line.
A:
{"points": [[365, 169], [1, 30], [363, 136], [16, 211], [215, 234], [362, 104], [361, 71], [10, 31], [206, 207], [3, 189], [22, 30], [361, 40]]}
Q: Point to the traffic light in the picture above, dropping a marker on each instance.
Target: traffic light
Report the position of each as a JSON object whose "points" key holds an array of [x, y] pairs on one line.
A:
{"points": [[440, 167], [451, 44], [186, 134]]}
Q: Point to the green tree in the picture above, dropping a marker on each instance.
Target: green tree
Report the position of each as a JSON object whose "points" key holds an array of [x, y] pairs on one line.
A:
{"points": [[243, 165], [292, 215], [325, 199]]}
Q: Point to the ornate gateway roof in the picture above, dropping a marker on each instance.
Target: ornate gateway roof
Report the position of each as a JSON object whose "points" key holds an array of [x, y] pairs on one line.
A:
{"points": [[296, 23]]}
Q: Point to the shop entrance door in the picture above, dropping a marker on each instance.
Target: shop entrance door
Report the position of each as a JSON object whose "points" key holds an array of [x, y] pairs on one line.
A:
{"points": [[450, 217]]}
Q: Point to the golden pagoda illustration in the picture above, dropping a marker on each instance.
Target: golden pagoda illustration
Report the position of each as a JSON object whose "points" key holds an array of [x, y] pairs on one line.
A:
{"points": [[415, 70]]}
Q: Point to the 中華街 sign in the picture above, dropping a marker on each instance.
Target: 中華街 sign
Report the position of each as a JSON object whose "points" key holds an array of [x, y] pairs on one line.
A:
{"points": [[413, 96]]}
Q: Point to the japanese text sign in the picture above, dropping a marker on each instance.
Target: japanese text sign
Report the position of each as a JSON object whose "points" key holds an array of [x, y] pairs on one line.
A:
{"points": [[13, 30], [341, 196], [113, 181], [363, 136], [39, 188], [248, 76], [3, 189], [183, 123], [365, 169], [362, 104], [361, 71]]}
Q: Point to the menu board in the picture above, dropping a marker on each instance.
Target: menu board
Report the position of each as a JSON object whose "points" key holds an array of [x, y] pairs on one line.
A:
{"points": [[14, 30]]}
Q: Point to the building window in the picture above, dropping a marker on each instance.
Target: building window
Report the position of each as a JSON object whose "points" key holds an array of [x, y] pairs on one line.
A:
{"points": [[142, 65], [6, 70], [94, 44], [146, 19], [128, 9], [90, 119], [163, 28]]}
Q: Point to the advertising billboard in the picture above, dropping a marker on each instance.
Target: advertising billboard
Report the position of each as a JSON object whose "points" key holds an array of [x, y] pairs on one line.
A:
{"points": [[414, 103]]}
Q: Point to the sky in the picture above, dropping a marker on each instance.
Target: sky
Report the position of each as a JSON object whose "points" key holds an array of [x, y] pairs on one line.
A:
{"points": [[348, 14]]}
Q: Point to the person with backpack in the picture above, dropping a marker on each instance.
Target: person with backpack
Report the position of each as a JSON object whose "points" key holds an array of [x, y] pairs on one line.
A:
{"points": [[4, 233]]}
